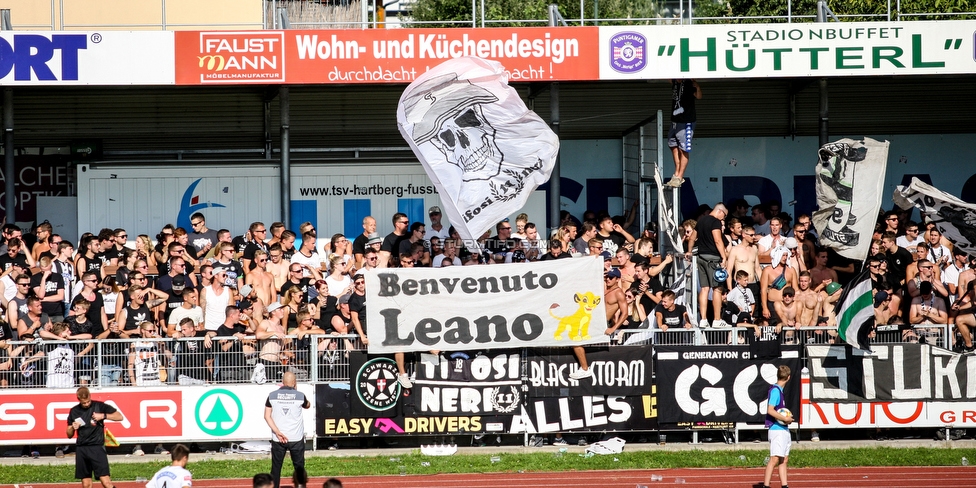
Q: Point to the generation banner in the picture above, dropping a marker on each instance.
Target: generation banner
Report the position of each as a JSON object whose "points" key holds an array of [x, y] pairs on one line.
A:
{"points": [[786, 50], [618, 371], [461, 384], [895, 372], [462, 308], [380, 55], [178, 414], [719, 384]]}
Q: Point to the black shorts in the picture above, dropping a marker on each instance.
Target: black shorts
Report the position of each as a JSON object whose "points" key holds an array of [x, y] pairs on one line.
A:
{"points": [[90, 459]]}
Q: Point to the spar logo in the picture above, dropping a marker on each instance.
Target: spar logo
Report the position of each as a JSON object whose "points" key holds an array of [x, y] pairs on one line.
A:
{"points": [[190, 203], [376, 384], [31, 55], [241, 57], [628, 52], [219, 412]]}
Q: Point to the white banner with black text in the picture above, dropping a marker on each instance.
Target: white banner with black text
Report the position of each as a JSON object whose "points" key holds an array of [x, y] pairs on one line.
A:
{"points": [[462, 308]]}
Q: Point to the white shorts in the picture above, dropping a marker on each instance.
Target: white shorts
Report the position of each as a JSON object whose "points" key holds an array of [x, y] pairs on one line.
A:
{"points": [[779, 442]]}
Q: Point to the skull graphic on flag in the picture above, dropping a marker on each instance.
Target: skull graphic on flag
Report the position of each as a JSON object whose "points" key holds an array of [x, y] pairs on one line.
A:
{"points": [[480, 145]]}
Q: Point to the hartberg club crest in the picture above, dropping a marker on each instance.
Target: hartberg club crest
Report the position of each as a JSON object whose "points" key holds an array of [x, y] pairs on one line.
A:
{"points": [[627, 52], [377, 384]]}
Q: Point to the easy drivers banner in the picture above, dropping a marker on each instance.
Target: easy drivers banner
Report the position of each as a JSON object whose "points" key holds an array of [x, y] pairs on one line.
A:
{"points": [[894, 373], [719, 384], [459, 308]]}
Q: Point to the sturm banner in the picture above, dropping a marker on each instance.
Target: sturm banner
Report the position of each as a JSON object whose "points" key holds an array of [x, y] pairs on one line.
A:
{"points": [[719, 384], [896, 372], [619, 371], [850, 175], [955, 218], [459, 308], [460, 384], [485, 151]]}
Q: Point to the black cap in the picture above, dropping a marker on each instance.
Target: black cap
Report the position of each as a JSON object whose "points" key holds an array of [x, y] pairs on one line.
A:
{"points": [[179, 281], [244, 305]]}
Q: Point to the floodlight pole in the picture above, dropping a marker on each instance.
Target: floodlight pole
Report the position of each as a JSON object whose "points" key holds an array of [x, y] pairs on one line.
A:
{"points": [[555, 200], [823, 11], [9, 171]]}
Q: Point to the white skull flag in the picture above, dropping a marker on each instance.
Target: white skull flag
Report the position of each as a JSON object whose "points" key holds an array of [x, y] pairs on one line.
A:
{"points": [[955, 218], [850, 176], [485, 151]]}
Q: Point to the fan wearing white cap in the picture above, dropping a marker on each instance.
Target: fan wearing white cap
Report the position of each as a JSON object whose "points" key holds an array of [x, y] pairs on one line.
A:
{"points": [[437, 228]]}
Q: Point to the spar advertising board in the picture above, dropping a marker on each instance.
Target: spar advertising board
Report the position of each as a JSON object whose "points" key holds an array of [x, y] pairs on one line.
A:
{"points": [[333, 197], [205, 413], [86, 58]]}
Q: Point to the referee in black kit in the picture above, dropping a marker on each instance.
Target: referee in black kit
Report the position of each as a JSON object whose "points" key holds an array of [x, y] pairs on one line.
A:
{"points": [[283, 411], [87, 418]]}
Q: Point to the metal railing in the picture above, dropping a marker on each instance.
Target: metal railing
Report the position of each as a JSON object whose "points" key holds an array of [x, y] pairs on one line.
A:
{"points": [[316, 359]]}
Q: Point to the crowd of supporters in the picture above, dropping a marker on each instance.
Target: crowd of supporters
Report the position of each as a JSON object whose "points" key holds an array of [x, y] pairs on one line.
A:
{"points": [[202, 305]]}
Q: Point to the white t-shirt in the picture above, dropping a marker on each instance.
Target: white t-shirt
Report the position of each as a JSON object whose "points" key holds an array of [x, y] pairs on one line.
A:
{"points": [[443, 234], [313, 261], [438, 260], [171, 477], [767, 243], [61, 367], [180, 313], [336, 287], [903, 242], [951, 277], [742, 298]]}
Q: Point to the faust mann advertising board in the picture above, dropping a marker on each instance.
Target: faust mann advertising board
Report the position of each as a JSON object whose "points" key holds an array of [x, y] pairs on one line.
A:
{"points": [[459, 308], [528, 54]]}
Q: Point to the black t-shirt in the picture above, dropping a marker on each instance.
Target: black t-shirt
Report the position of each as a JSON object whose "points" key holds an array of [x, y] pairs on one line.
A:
{"points": [[51, 286], [327, 308], [77, 327], [767, 345], [391, 244], [233, 357], [93, 264], [359, 244], [683, 101], [91, 433], [136, 316], [500, 246], [173, 302], [898, 262], [674, 318], [239, 244], [191, 356], [6, 261], [706, 242], [304, 284], [199, 241], [106, 257], [253, 246], [613, 242], [836, 260], [549, 257], [357, 305]]}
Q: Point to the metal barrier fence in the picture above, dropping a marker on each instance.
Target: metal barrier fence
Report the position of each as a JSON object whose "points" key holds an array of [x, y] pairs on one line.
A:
{"points": [[316, 359]]}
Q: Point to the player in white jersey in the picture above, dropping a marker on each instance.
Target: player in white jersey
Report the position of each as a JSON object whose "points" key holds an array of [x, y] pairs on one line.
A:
{"points": [[176, 474]]}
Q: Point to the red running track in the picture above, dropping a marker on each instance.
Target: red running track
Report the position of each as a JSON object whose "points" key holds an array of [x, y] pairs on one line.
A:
{"points": [[869, 477]]}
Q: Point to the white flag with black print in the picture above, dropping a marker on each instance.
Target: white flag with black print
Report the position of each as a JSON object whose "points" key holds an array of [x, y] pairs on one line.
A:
{"points": [[955, 218], [850, 177], [485, 151]]}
